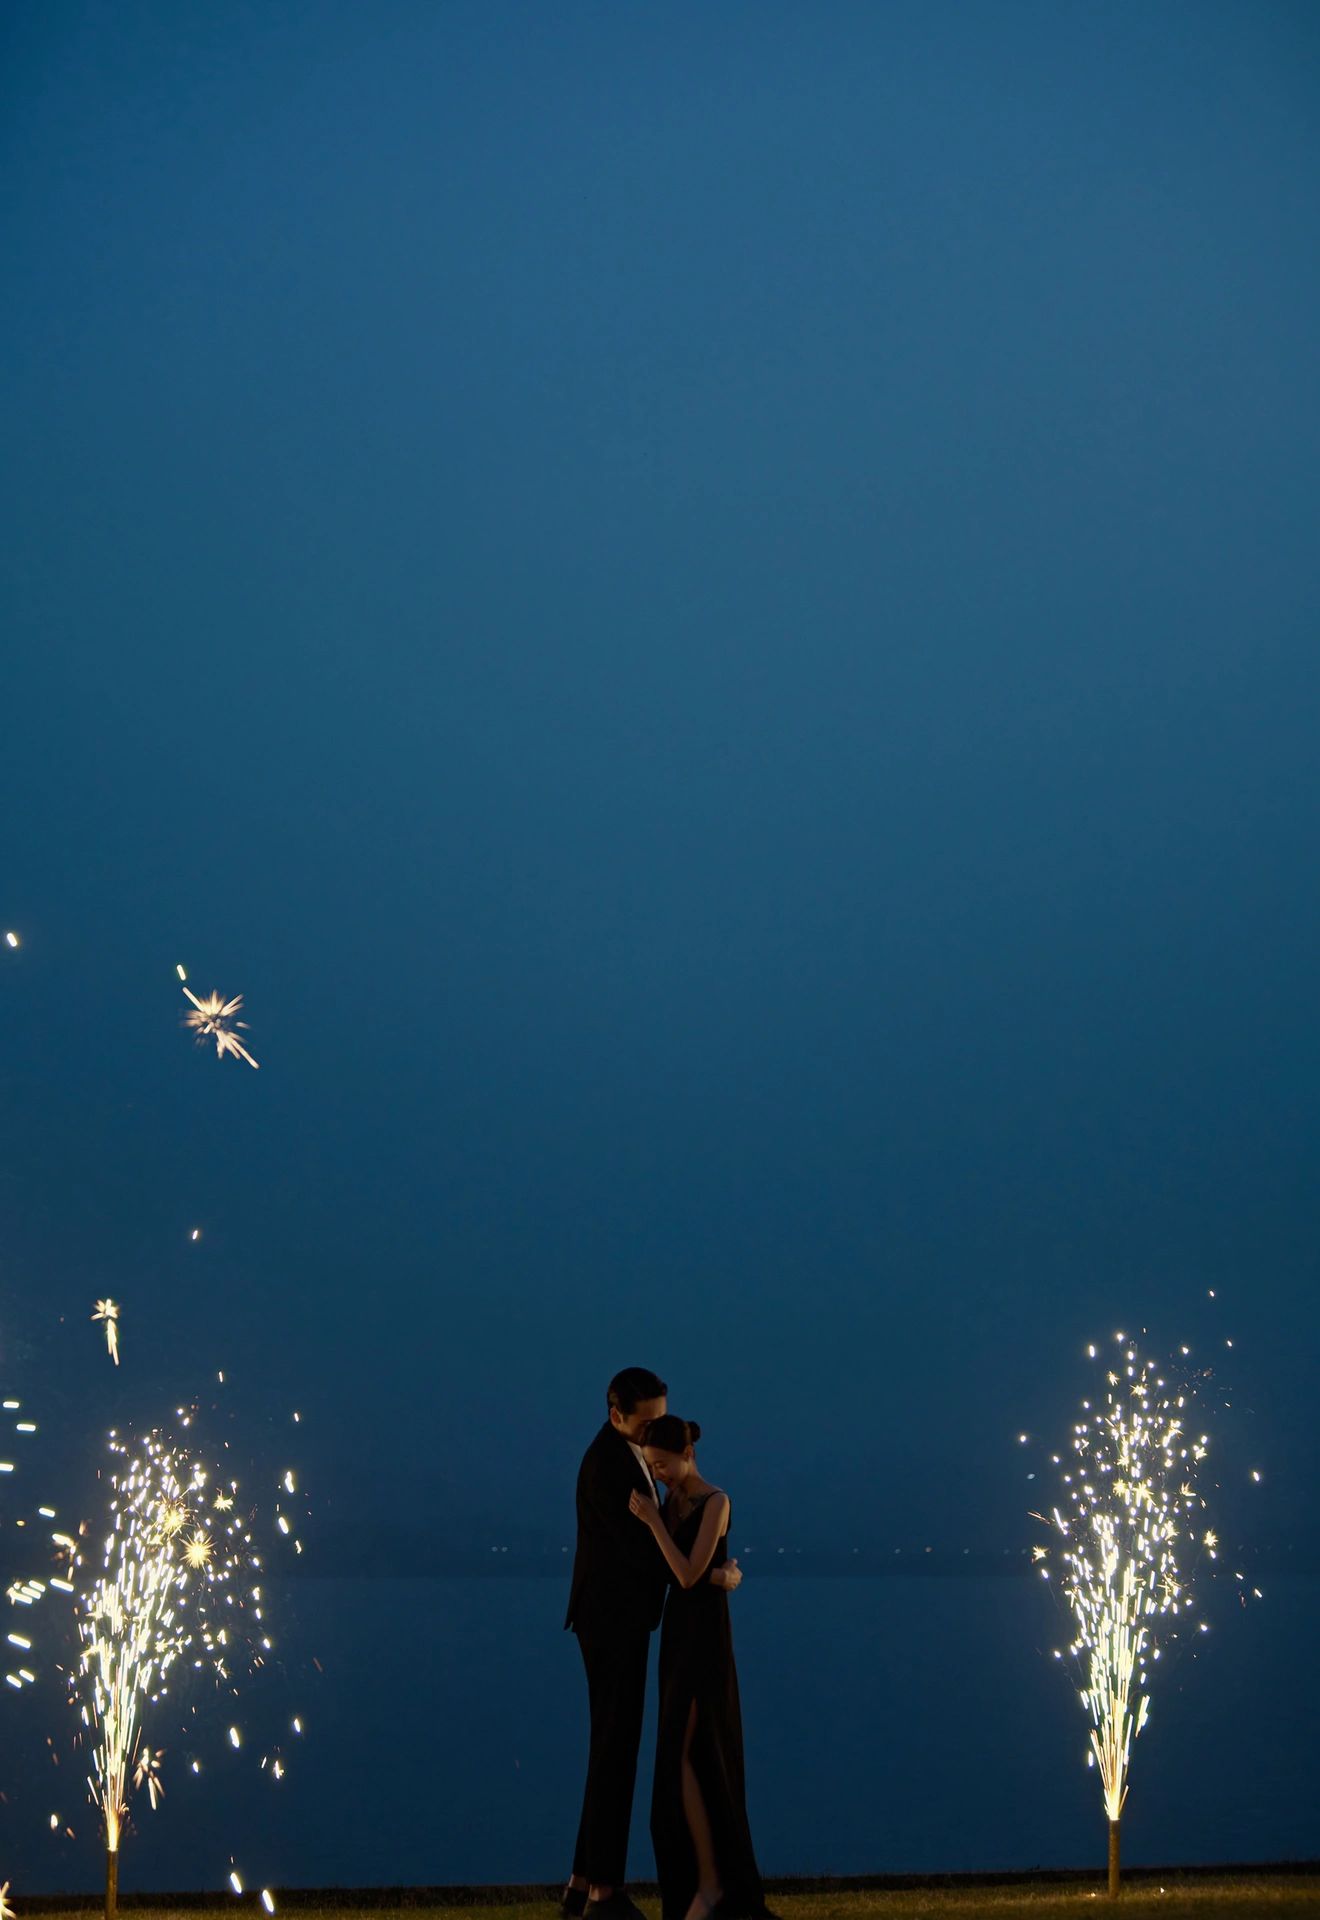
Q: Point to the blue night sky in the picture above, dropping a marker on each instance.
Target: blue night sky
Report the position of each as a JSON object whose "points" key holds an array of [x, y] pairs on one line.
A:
{"points": [[711, 610]]}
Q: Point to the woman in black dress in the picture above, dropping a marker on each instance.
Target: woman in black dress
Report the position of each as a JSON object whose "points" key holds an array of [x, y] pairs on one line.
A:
{"points": [[703, 1845]]}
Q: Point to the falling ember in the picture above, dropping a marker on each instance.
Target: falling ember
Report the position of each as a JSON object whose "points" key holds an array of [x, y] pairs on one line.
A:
{"points": [[1121, 1535], [213, 1019], [147, 1773], [196, 1234], [180, 971], [107, 1311], [12, 940], [267, 1900], [6, 1911], [235, 1883]]}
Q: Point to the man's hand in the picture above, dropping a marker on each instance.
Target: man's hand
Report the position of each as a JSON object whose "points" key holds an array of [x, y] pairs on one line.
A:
{"points": [[729, 1576]]}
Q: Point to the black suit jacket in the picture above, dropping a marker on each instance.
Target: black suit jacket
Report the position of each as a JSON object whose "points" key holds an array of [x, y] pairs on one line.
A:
{"points": [[620, 1576]]}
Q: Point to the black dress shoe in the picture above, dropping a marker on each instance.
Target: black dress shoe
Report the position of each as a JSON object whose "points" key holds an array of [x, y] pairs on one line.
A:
{"points": [[574, 1903], [617, 1907]]}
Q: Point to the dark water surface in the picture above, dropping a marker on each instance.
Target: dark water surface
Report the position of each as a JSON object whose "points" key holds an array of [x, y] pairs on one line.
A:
{"points": [[892, 1725]]}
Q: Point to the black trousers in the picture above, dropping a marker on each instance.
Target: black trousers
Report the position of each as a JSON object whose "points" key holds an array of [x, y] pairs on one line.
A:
{"points": [[615, 1661]]}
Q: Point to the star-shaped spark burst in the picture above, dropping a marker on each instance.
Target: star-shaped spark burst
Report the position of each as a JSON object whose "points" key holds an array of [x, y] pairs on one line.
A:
{"points": [[6, 1911], [173, 1518], [107, 1311], [223, 1502], [213, 1019], [197, 1552], [147, 1773]]}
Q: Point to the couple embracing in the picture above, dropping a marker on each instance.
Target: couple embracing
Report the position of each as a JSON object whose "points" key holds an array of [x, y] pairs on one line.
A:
{"points": [[635, 1560]]}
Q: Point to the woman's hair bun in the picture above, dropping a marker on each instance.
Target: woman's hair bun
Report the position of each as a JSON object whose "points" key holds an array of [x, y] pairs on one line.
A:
{"points": [[670, 1434]]}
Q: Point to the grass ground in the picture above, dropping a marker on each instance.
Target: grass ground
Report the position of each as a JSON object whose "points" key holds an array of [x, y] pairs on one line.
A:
{"points": [[1191, 1897]]}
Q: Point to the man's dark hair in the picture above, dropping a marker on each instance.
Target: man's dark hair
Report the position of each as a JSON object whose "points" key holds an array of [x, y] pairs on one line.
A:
{"points": [[634, 1384]]}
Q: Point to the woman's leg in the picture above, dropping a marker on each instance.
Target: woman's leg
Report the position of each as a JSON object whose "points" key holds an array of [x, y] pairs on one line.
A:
{"points": [[703, 1842]]}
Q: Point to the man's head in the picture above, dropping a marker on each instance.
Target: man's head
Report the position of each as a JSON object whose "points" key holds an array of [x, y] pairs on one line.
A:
{"points": [[635, 1396]]}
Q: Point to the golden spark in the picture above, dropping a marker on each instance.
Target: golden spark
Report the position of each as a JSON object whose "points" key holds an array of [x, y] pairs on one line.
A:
{"points": [[213, 1019], [6, 1911], [107, 1311]]}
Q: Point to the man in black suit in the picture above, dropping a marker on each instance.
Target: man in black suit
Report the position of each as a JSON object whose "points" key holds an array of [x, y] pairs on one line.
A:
{"points": [[615, 1602]]}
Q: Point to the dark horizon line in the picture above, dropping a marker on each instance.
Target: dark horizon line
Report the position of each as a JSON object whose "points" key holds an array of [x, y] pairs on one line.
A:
{"points": [[524, 1892], [321, 1561]]}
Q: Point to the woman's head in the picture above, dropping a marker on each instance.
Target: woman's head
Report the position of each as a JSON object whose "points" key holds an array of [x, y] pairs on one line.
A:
{"points": [[667, 1444]]}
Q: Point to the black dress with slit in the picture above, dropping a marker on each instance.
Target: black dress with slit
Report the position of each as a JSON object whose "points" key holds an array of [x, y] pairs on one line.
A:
{"points": [[696, 1665]]}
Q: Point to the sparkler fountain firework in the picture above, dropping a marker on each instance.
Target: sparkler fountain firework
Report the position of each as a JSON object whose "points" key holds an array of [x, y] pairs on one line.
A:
{"points": [[179, 1582], [148, 1606], [1126, 1539]]}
